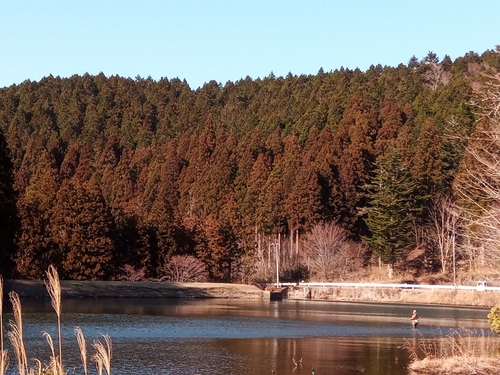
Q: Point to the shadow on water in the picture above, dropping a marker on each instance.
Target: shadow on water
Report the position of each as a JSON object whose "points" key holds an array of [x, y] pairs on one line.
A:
{"points": [[217, 336]]}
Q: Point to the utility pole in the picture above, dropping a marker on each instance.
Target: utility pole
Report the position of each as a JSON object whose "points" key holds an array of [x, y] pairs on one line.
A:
{"points": [[451, 238], [277, 255], [454, 268]]}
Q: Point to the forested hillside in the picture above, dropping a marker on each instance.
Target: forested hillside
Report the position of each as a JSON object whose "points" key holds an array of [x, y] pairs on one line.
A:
{"points": [[110, 178]]}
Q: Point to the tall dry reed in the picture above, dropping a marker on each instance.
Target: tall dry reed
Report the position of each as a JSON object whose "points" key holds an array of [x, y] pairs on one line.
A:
{"points": [[55, 366], [457, 343], [39, 369], [80, 338], [3, 353], [54, 289], [460, 352], [16, 334], [4, 362], [102, 356], [2, 366]]}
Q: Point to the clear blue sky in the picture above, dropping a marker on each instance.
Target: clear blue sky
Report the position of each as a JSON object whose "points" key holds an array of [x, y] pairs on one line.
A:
{"points": [[226, 40]]}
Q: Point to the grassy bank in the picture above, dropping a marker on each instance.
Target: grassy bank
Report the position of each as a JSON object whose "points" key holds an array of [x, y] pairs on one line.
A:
{"points": [[136, 289]]}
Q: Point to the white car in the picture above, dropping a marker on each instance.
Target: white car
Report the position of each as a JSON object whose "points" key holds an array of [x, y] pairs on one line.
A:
{"points": [[481, 286]]}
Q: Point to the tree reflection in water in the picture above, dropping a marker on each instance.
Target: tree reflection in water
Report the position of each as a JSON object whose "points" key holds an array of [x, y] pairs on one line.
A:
{"points": [[242, 337]]}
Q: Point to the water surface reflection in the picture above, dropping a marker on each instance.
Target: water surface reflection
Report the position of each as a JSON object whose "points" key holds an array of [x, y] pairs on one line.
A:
{"points": [[243, 337]]}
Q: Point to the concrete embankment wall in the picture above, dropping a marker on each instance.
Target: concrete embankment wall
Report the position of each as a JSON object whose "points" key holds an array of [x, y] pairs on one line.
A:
{"points": [[451, 297]]}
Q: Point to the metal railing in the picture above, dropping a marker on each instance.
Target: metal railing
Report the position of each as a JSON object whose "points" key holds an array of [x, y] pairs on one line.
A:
{"points": [[479, 287]]}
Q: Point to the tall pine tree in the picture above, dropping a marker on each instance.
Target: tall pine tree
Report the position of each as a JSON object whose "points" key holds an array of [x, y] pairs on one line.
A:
{"points": [[389, 214]]}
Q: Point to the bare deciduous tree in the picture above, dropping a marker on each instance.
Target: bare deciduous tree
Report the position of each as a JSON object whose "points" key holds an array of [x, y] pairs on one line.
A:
{"points": [[445, 222], [435, 75], [132, 274], [184, 268], [434, 72], [478, 186], [488, 100], [331, 254]]}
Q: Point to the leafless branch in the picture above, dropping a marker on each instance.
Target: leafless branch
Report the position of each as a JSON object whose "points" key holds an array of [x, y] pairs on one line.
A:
{"points": [[331, 255], [185, 268]]}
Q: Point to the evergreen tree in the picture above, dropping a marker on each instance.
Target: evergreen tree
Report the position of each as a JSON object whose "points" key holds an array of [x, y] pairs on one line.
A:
{"points": [[254, 198], [36, 245], [271, 213], [220, 251], [354, 155], [389, 214], [83, 229], [427, 167], [303, 203], [9, 224]]}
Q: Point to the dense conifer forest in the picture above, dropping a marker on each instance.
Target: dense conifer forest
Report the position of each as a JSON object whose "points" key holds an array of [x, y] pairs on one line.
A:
{"points": [[112, 178]]}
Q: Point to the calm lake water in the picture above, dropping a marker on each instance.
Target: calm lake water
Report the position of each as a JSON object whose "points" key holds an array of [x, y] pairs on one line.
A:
{"points": [[239, 337]]}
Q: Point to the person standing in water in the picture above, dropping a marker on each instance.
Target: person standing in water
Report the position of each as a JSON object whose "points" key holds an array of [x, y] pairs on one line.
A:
{"points": [[414, 318]]}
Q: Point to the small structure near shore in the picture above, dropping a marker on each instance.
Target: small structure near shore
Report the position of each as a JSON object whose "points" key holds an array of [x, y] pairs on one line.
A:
{"points": [[277, 294]]}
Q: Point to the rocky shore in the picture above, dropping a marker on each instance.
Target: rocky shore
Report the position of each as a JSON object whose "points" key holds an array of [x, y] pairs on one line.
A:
{"points": [[135, 289]]}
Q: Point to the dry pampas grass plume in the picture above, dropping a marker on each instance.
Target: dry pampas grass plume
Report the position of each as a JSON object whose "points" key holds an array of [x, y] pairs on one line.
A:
{"points": [[16, 334], [4, 358], [102, 356], [80, 338], [54, 289], [55, 366]]}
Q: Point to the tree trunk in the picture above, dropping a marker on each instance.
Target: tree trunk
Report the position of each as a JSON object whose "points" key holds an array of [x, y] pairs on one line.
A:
{"points": [[297, 242]]}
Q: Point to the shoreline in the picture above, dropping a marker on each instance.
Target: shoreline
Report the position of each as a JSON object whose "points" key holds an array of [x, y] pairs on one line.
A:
{"points": [[134, 289], [151, 289]]}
